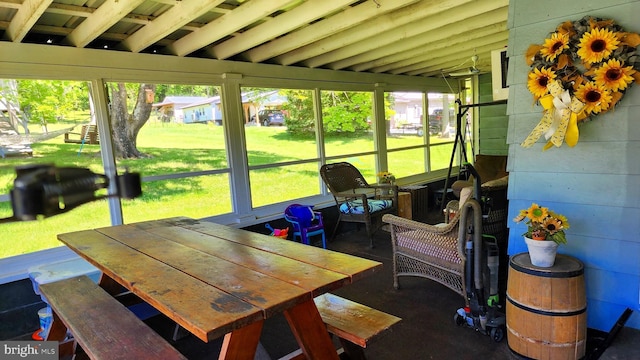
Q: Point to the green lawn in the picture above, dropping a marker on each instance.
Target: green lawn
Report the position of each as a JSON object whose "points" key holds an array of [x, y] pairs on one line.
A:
{"points": [[177, 148]]}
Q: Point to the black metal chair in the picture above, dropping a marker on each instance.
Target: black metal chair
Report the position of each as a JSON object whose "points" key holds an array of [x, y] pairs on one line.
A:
{"points": [[356, 200]]}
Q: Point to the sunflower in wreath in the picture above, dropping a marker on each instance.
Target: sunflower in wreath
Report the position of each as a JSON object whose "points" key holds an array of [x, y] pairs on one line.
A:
{"points": [[580, 71]]}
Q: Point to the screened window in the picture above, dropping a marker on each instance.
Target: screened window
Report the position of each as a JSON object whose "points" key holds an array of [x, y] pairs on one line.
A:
{"points": [[282, 150], [179, 149], [45, 122]]}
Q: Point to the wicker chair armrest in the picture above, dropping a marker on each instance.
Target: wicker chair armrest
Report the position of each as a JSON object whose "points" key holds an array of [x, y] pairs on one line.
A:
{"points": [[433, 236], [402, 224]]}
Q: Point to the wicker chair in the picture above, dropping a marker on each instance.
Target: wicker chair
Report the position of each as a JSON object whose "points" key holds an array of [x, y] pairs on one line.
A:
{"points": [[429, 251], [435, 252], [357, 201]]}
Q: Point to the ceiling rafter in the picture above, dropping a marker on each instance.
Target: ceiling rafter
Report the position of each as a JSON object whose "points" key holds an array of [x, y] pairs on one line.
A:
{"points": [[173, 19], [360, 32], [243, 15], [437, 65], [321, 29], [422, 35], [381, 36], [408, 37], [26, 16], [451, 44], [100, 21], [285, 22]]}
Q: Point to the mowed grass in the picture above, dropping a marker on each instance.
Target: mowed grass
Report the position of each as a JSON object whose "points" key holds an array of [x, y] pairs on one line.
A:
{"points": [[183, 148]]}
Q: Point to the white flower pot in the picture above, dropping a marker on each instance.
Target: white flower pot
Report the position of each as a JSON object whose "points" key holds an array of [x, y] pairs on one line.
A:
{"points": [[542, 252]]}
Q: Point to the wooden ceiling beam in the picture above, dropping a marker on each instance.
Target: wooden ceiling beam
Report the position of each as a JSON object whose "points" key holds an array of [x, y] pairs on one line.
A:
{"points": [[469, 47], [295, 18], [452, 44], [440, 64], [414, 29], [25, 18], [100, 21], [362, 31], [180, 14], [424, 44], [321, 29], [244, 15]]}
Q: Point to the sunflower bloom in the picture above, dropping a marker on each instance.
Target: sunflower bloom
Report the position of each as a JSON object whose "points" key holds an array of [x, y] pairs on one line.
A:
{"points": [[552, 225], [595, 97], [614, 76], [563, 219], [537, 213], [597, 45], [554, 46], [538, 81]]}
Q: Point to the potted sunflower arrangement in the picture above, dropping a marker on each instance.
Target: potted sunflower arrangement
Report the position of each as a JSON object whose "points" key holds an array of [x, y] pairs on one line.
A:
{"points": [[385, 177], [580, 71], [545, 232]]}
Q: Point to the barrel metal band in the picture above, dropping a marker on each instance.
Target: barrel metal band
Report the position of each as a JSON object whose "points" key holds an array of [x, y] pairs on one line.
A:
{"points": [[547, 274], [547, 313]]}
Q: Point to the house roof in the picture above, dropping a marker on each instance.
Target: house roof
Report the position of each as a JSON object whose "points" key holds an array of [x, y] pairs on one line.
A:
{"points": [[409, 37]]}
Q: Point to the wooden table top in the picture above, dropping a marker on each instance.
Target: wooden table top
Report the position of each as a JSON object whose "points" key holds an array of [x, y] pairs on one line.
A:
{"points": [[212, 279]]}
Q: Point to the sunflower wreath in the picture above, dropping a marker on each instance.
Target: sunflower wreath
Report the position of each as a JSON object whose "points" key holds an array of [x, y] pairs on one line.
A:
{"points": [[583, 69]]}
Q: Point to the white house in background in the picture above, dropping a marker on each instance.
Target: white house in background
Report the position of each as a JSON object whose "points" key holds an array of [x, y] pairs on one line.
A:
{"points": [[209, 109], [170, 109], [205, 110]]}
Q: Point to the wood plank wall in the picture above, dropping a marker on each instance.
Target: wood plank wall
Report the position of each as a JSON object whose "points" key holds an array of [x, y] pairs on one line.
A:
{"points": [[595, 184], [493, 124]]}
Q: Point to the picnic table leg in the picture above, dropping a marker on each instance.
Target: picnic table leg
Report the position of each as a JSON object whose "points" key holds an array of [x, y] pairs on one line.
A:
{"points": [[58, 332], [109, 285], [310, 332], [241, 343]]}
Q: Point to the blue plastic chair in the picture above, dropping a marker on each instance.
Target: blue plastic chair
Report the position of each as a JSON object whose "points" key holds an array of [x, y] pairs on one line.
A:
{"points": [[304, 233]]}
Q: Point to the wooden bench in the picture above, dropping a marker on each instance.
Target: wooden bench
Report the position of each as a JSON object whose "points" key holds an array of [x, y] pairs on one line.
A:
{"points": [[101, 326], [88, 135], [353, 323]]}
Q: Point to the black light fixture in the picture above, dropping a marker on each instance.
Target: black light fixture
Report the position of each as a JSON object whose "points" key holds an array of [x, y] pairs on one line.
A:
{"points": [[46, 190]]}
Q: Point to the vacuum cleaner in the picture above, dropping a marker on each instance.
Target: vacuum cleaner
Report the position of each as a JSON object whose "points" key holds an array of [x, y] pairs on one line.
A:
{"points": [[482, 309]]}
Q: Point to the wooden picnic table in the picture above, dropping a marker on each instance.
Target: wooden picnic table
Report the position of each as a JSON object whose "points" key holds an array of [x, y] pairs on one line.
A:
{"points": [[215, 280]]}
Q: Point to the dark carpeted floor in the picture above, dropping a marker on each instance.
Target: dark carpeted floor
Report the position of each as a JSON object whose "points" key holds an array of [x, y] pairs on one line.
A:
{"points": [[427, 329]]}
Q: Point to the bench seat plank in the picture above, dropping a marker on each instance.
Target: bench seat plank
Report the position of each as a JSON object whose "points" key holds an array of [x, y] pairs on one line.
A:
{"points": [[351, 321], [104, 328]]}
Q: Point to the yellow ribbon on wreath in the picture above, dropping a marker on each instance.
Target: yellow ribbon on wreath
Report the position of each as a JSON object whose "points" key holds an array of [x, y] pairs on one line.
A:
{"points": [[560, 119]]}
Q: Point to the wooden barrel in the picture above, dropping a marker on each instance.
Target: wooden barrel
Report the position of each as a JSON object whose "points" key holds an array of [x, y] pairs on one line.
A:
{"points": [[546, 308]]}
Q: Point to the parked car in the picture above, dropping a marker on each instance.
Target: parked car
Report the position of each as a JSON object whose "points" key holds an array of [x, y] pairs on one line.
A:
{"points": [[269, 117], [435, 121]]}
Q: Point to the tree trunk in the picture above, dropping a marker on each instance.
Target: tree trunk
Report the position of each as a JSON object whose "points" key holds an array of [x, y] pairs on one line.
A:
{"points": [[125, 126]]}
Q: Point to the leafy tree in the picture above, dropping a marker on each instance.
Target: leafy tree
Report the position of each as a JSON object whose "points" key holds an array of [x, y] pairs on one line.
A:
{"points": [[299, 108], [343, 111], [130, 110], [164, 90], [46, 101]]}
